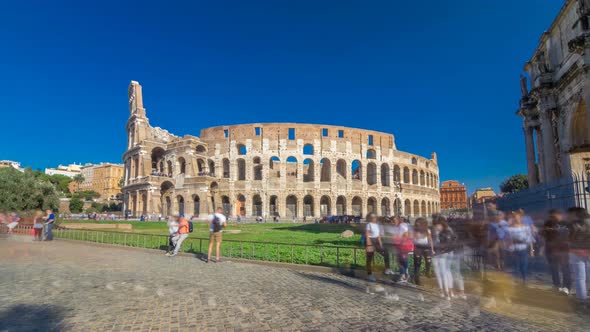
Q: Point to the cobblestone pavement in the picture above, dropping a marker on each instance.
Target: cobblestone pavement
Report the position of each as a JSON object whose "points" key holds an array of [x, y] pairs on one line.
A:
{"points": [[74, 286]]}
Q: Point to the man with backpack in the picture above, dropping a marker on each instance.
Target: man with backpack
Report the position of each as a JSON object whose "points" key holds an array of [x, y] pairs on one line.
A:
{"points": [[216, 222], [184, 227]]}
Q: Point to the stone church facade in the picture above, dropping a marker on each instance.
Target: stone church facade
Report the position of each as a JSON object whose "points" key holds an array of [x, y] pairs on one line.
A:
{"points": [[555, 108], [289, 170]]}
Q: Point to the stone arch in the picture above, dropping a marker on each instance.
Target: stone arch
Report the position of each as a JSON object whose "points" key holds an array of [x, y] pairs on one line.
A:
{"points": [[157, 159], [371, 154], [356, 169], [407, 207], [241, 164], [256, 206], [201, 149], [211, 165], [226, 168], [291, 206], [257, 169], [371, 173], [308, 205], [397, 206], [292, 168], [242, 149], [240, 205], [414, 176], [196, 205], [422, 179], [182, 165], [357, 206], [201, 166], [341, 205], [325, 206], [414, 161], [579, 133], [397, 177], [326, 170], [385, 207], [226, 205], [274, 167], [341, 168], [372, 205], [273, 206], [308, 149], [423, 208], [416, 208], [428, 208], [166, 192], [406, 175], [385, 178], [180, 203], [308, 170], [167, 206]]}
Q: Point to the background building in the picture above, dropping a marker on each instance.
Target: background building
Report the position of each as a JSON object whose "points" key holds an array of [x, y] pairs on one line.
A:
{"points": [[70, 170], [555, 115], [453, 195], [12, 164], [285, 169], [104, 178]]}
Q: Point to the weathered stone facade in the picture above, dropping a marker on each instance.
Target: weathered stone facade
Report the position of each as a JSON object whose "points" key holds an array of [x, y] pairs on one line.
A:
{"points": [[555, 110], [267, 169]]}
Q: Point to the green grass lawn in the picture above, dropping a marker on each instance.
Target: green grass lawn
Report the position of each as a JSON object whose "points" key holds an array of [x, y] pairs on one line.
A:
{"points": [[314, 234]]}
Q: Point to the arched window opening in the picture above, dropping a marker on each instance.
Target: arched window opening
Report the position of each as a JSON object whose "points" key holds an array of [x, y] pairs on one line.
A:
{"points": [[241, 169], [326, 170], [356, 170], [226, 172], [308, 170]]}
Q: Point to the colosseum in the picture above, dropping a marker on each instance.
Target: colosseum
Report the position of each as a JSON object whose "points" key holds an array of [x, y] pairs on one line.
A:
{"points": [[285, 170]]}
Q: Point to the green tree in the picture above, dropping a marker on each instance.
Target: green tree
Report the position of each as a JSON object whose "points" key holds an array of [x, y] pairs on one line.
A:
{"points": [[88, 195], [76, 205], [25, 191], [78, 178], [515, 183]]}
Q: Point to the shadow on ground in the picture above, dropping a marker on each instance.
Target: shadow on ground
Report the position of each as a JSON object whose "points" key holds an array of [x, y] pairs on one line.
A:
{"points": [[323, 228], [330, 280], [32, 317]]}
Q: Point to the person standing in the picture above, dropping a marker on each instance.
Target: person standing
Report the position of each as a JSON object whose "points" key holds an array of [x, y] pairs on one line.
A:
{"points": [[37, 226], [444, 245], [423, 248], [579, 249], [555, 233], [183, 230], [373, 244], [497, 231], [48, 227], [402, 246], [217, 222], [520, 239]]}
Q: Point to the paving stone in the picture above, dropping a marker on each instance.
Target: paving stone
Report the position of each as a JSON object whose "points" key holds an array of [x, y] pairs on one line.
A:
{"points": [[72, 286]]}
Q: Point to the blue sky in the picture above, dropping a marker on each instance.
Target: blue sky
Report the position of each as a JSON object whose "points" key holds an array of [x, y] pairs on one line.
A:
{"points": [[440, 75]]}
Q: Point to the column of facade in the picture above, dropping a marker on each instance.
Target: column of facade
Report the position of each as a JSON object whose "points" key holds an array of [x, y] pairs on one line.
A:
{"points": [[549, 161], [333, 210], [299, 211], [541, 155], [317, 203], [530, 156]]}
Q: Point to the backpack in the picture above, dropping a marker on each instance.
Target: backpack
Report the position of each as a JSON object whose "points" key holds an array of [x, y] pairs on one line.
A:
{"points": [[190, 226], [216, 223]]}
